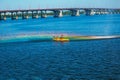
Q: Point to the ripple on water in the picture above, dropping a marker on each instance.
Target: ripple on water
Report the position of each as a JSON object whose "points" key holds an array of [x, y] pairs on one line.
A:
{"points": [[77, 60]]}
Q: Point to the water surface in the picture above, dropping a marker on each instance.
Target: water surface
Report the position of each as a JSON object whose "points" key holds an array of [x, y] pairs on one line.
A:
{"points": [[76, 60]]}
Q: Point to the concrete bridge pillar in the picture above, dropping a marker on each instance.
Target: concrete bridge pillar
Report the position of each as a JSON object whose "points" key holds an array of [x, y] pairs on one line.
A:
{"points": [[4, 18], [106, 12], [75, 12], [101, 12], [110, 11], [58, 13], [113, 12], [92, 12], [97, 12], [14, 16], [25, 15], [118, 12], [88, 12], [43, 14], [0, 16], [35, 15]]}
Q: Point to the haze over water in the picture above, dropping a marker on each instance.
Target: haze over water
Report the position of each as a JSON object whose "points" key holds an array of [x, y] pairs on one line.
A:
{"points": [[76, 60]]}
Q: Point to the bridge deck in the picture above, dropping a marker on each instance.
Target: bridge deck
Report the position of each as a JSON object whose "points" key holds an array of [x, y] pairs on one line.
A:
{"points": [[53, 9]]}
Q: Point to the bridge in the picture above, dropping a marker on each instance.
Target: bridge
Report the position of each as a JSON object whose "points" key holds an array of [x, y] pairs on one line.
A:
{"points": [[56, 12]]}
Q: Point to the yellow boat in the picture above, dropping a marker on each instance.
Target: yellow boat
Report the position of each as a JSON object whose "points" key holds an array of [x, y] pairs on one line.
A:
{"points": [[61, 39]]}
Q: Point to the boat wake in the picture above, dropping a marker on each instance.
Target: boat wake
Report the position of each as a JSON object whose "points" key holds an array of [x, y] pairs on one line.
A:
{"points": [[46, 38]]}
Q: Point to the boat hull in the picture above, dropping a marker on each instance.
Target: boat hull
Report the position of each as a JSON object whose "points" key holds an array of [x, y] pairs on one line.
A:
{"points": [[60, 40]]}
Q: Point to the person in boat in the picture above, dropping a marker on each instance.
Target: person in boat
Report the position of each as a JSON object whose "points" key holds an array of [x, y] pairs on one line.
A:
{"points": [[61, 37], [55, 37]]}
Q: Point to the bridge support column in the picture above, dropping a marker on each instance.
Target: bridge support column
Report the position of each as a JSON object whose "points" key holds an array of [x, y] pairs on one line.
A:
{"points": [[35, 15], [97, 13], [4, 18], [100, 12], [0, 16], [14, 16], [75, 12], [58, 13], [43, 14], [25, 15], [111, 11], [118, 12], [88, 12], [114, 12], [106, 11]]}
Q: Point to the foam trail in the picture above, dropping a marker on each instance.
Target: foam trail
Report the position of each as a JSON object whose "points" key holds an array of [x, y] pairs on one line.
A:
{"points": [[40, 38], [25, 38]]}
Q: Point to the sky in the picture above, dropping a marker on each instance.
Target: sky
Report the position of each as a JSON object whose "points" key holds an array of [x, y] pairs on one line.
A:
{"points": [[33, 4]]}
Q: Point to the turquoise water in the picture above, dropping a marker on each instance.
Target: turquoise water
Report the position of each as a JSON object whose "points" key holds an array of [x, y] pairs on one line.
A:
{"points": [[83, 25], [76, 60]]}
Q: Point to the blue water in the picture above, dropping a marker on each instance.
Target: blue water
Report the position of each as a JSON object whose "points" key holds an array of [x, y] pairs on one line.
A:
{"points": [[77, 60], [83, 25]]}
